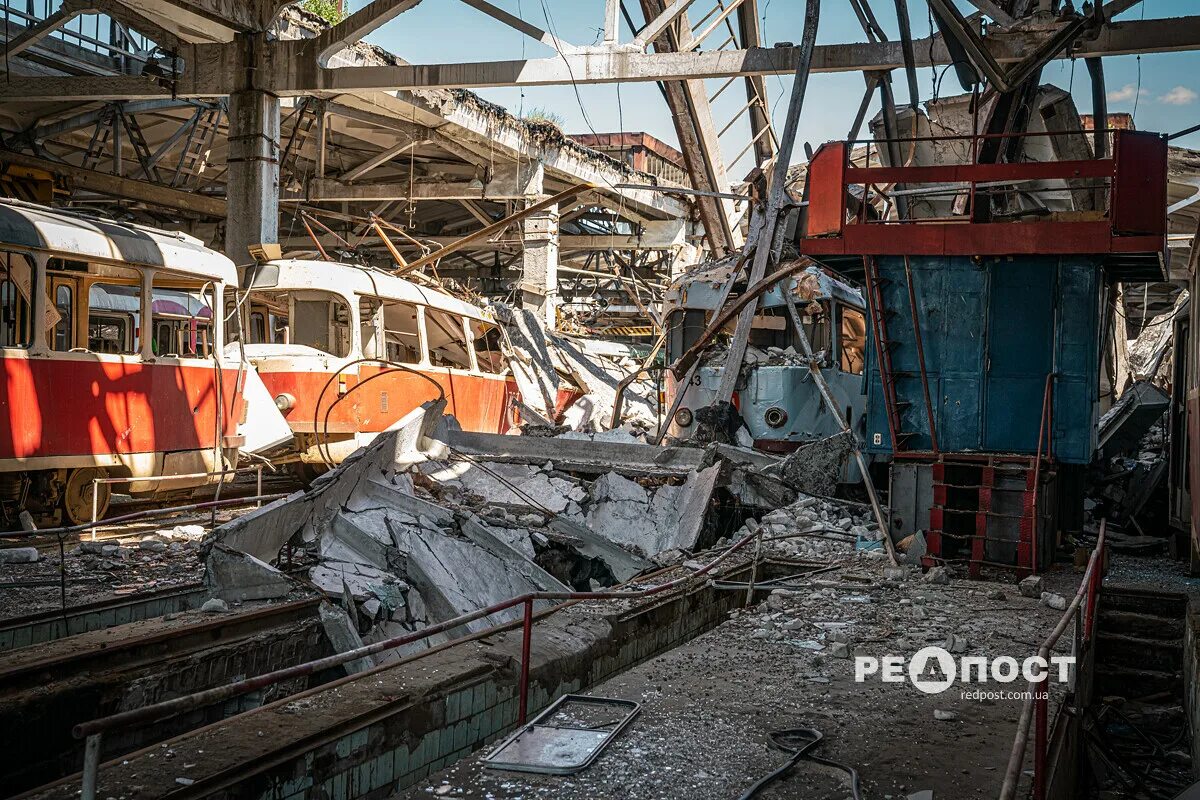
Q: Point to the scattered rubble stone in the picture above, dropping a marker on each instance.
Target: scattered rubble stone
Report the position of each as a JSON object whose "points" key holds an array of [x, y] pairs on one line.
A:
{"points": [[937, 575], [1055, 601], [1031, 586], [215, 605], [944, 716], [955, 643], [19, 555]]}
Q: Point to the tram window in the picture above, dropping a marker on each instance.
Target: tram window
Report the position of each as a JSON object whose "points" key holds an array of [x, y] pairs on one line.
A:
{"points": [[771, 328], [64, 329], [488, 355], [368, 323], [814, 317], [113, 314], [322, 323], [852, 330], [685, 327], [233, 330], [258, 327], [447, 346], [183, 323], [401, 333], [16, 280], [109, 334]]}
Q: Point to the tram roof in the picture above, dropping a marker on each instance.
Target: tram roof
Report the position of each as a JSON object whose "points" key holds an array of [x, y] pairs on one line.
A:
{"points": [[348, 279], [71, 234]]}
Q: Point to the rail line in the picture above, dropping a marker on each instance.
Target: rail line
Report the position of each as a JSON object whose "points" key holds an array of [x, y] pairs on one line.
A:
{"points": [[31, 666]]}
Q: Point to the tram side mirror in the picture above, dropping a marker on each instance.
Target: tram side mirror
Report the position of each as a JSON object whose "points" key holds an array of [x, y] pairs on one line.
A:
{"points": [[260, 276]]}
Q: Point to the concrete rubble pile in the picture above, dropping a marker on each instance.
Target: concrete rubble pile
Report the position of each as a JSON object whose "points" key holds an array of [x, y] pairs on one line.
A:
{"points": [[868, 608], [546, 365], [423, 525], [1130, 466], [1150, 355]]}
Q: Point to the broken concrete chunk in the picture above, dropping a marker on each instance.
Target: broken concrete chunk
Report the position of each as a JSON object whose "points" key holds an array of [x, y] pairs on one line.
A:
{"points": [[955, 643], [1031, 586], [1054, 601], [361, 538], [238, 577], [364, 581], [19, 555], [937, 575], [944, 716], [343, 635], [214, 605], [622, 511]]}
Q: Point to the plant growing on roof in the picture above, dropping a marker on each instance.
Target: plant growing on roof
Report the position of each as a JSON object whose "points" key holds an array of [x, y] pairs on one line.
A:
{"points": [[332, 11], [544, 116]]}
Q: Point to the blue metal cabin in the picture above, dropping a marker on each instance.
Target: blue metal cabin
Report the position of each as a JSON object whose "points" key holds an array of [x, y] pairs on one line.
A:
{"points": [[985, 313], [992, 330]]}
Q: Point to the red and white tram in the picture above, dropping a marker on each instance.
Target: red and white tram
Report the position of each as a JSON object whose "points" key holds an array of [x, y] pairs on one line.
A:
{"points": [[325, 336], [112, 364]]}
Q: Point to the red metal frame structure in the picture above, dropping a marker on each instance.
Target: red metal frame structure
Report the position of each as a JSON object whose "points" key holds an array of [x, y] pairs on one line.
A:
{"points": [[1037, 702], [1129, 225]]}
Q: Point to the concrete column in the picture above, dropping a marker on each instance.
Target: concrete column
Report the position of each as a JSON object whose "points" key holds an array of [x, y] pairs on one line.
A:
{"points": [[539, 264], [252, 216]]}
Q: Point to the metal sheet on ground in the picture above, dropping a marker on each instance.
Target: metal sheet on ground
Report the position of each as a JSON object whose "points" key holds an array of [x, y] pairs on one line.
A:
{"points": [[565, 738]]}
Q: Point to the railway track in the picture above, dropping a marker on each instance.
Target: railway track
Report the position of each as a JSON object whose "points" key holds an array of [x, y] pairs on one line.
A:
{"points": [[51, 624], [120, 651], [48, 687]]}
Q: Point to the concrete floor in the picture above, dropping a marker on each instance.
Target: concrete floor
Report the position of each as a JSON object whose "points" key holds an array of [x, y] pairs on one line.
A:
{"points": [[707, 707]]}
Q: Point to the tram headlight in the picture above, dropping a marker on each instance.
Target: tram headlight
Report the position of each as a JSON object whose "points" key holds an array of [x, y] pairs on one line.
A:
{"points": [[683, 417], [776, 417], [285, 402]]}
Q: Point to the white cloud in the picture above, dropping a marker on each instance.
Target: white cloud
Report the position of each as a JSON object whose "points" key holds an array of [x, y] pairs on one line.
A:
{"points": [[1125, 93], [1179, 96]]}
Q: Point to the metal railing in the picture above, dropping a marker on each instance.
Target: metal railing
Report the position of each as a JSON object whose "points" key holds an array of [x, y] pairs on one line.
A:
{"points": [[97, 482], [1082, 611], [94, 730], [1045, 434], [970, 177]]}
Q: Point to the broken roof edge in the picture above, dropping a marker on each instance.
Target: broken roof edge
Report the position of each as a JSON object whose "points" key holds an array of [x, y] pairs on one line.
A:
{"points": [[535, 139]]}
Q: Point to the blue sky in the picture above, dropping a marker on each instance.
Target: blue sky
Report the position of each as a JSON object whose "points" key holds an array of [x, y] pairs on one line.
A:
{"points": [[1164, 89]]}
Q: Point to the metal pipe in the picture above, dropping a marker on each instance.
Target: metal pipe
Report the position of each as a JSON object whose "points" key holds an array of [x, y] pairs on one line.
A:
{"points": [[819, 379], [91, 766], [1012, 775], [754, 528], [526, 643], [179, 705], [154, 512]]}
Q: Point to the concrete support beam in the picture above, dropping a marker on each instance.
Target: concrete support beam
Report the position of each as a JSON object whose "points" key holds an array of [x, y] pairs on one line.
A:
{"points": [[539, 264], [1118, 38], [294, 72], [354, 27], [253, 176], [507, 182]]}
